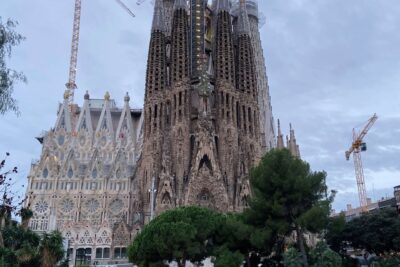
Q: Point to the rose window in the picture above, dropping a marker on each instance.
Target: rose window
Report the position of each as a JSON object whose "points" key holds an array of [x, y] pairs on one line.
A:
{"points": [[41, 206], [67, 205], [116, 206], [92, 205]]}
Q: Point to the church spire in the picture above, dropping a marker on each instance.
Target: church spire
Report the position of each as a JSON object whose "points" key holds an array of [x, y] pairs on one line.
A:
{"points": [[156, 74], [85, 119], [222, 5], [158, 17], [180, 4], [243, 25], [224, 55], [245, 76], [292, 145], [179, 42], [280, 143], [197, 28], [64, 115]]}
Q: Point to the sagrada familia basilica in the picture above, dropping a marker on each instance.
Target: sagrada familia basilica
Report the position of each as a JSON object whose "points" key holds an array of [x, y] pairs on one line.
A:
{"points": [[105, 171]]}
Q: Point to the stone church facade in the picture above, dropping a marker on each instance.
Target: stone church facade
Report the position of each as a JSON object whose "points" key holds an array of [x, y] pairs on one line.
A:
{"points": [[105, 171]]}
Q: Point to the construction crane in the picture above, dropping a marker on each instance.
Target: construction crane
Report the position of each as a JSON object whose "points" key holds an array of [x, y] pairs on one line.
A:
{"points": [[125, 7], [356, 148], [71, 84]]}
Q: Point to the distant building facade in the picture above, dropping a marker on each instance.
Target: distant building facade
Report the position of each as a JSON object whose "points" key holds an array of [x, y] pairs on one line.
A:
{"points": [[82, 183], [384, 203]]}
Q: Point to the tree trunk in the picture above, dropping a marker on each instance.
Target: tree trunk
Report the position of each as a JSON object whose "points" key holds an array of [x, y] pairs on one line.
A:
{"points": [[25, 223], [1, 228], [181, 263], [300, 243], [1, 240]]}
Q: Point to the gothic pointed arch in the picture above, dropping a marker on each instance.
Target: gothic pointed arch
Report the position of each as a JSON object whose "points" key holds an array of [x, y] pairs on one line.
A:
{"points": [[84, 123], [105, 135], [206, 162], [165, 196], [63, 122], [121, 234], [125, 129]]}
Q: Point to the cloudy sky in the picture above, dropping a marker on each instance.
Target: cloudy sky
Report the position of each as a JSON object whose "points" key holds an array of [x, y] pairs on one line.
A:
{"points": [[331, 64]]}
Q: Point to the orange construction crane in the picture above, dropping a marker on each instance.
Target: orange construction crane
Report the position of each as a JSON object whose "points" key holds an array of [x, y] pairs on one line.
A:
{"points": [[356, 148]]}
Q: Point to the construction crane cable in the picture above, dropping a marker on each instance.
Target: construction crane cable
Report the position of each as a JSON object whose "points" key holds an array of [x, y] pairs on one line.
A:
{"points": [[125, 7]]}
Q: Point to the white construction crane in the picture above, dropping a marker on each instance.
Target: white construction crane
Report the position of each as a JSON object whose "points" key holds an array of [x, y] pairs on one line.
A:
{"points": [[71, 84], [356, 148]]}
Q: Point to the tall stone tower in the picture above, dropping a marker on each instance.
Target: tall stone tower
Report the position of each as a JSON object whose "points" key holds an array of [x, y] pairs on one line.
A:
{"points": [[203, 121]]}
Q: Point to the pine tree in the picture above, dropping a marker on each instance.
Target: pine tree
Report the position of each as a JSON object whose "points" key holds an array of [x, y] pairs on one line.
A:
{"points": [[287, 197]]}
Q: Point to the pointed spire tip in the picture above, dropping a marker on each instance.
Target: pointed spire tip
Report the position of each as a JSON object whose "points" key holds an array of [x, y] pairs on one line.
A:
{"points": [[107, 96], [243, 19], [158, 17], [180, 4], [127, 98]]}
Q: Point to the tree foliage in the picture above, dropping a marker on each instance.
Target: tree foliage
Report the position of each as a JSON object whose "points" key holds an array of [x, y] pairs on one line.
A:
{"points": [[24, 248], [287, 197], [334, 233], [183, 234], [377, 232], [51, 249], [20, 247], [8, 77], [233, 241], [11, 203], [323, 256]]}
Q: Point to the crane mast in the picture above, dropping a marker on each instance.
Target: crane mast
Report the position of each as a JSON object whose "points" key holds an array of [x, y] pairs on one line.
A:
{"points": [[71, 84], [356, 149]]}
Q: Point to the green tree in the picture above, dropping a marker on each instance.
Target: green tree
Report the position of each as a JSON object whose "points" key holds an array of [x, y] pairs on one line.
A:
{"points": [[8, 39], [20, 247], [334, 233], [287, 196], [232, 241], [377, 232], [227, 258], [183, 234], [51, 249], [292, 258], [323, 256]]}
